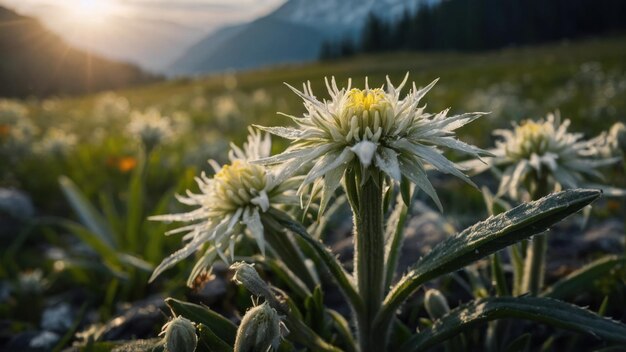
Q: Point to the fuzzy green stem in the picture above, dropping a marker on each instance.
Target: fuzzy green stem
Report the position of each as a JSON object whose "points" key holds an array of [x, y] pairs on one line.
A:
{"points": [[535, 265], [369, 259]]}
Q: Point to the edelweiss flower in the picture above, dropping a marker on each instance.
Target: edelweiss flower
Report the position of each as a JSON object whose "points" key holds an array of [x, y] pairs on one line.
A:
{"points": [[150, 127], [56, 141], [230, 203], [376, 126], [544, 150]]}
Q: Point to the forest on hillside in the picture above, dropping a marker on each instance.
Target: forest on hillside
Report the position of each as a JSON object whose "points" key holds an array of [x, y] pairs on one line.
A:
{"points": [[470, 25]]}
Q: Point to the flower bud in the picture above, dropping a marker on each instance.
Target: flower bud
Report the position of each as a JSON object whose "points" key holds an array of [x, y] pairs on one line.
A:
{"points": [[260, 330], [436, 304], [180, 335], [246, 275]]}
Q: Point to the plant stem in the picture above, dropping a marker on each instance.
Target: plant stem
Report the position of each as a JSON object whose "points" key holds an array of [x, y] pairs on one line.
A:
{"points": [[289, 252], [535, 265], [369, 258]]}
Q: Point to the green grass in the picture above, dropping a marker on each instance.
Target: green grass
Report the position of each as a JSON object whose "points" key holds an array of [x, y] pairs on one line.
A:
{"points": [[537, 71]]}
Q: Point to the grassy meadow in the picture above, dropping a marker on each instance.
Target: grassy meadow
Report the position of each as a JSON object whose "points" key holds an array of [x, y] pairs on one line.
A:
{"points": [[93, 183]]}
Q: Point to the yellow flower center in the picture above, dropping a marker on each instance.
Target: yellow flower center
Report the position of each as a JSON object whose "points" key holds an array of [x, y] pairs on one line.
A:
{"points": [[366, 115], [238, 184], [533, 138], [362, 100]]}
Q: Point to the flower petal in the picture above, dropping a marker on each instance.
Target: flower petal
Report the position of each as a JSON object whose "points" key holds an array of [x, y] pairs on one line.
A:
{"points": [[252, 220], [365, 151], [387, 161]]}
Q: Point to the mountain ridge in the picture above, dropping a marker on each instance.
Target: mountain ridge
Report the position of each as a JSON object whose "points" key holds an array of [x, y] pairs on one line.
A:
{"points": [[311, 21], [36, 62]]}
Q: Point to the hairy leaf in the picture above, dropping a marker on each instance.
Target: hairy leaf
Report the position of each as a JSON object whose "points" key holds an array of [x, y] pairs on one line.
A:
{"points": [[544, 310], [484, 238], [221, 326], [584, 277]]}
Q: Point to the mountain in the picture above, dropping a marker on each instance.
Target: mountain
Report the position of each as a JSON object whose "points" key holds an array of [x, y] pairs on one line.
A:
{"points": [[35, 62], [151, 43], [292, 33], [337, 18]]}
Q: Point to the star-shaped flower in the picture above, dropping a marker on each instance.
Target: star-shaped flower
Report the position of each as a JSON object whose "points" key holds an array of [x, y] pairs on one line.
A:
{"points": [[230, 204], [375, 127]]}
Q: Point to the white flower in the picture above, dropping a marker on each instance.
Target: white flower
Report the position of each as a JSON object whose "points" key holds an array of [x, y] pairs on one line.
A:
{"points": [[613, 142], [16, 130], [110, 106], [375, 126], [544, 150], [150, 127], [57, 142], [225, 107], [11, 112], [229, 204]]}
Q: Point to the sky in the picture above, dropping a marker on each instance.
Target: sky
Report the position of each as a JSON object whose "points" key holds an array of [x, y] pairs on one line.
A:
{"points": [[151, 33]]}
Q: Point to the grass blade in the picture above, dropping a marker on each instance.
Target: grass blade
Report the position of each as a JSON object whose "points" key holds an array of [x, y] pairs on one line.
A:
{"points": [[584, 277], [394, 237], [134, 211], [86, 212]]}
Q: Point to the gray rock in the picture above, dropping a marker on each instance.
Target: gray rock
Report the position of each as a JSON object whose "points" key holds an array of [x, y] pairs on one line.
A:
{"points": [[44, 340], [16, 204], [58, 318], [424, 230], [15, 208]]}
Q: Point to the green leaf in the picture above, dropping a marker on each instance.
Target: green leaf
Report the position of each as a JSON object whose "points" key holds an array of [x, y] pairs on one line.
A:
{"points": [[153, 249], [136, 262], [108, 254], [543, 310], [134, 207], [208, 341], [86, 212], [223, 327], [314, 312], [482, 239], [406, 190], [343, 328], [584, 278], [497, 275], [343, 279], [112, 215], [281, 270], [394, 236]]}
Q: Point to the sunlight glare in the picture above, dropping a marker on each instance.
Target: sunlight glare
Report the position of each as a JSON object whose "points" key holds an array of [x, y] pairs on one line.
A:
{"points": [[90, 11]]}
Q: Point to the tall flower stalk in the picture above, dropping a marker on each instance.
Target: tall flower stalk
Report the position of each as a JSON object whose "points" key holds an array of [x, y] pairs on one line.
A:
{"points": [[370, 138]]}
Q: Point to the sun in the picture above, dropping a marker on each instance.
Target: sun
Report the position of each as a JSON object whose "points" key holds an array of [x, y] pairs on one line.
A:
{"points": [[90, 11]]}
